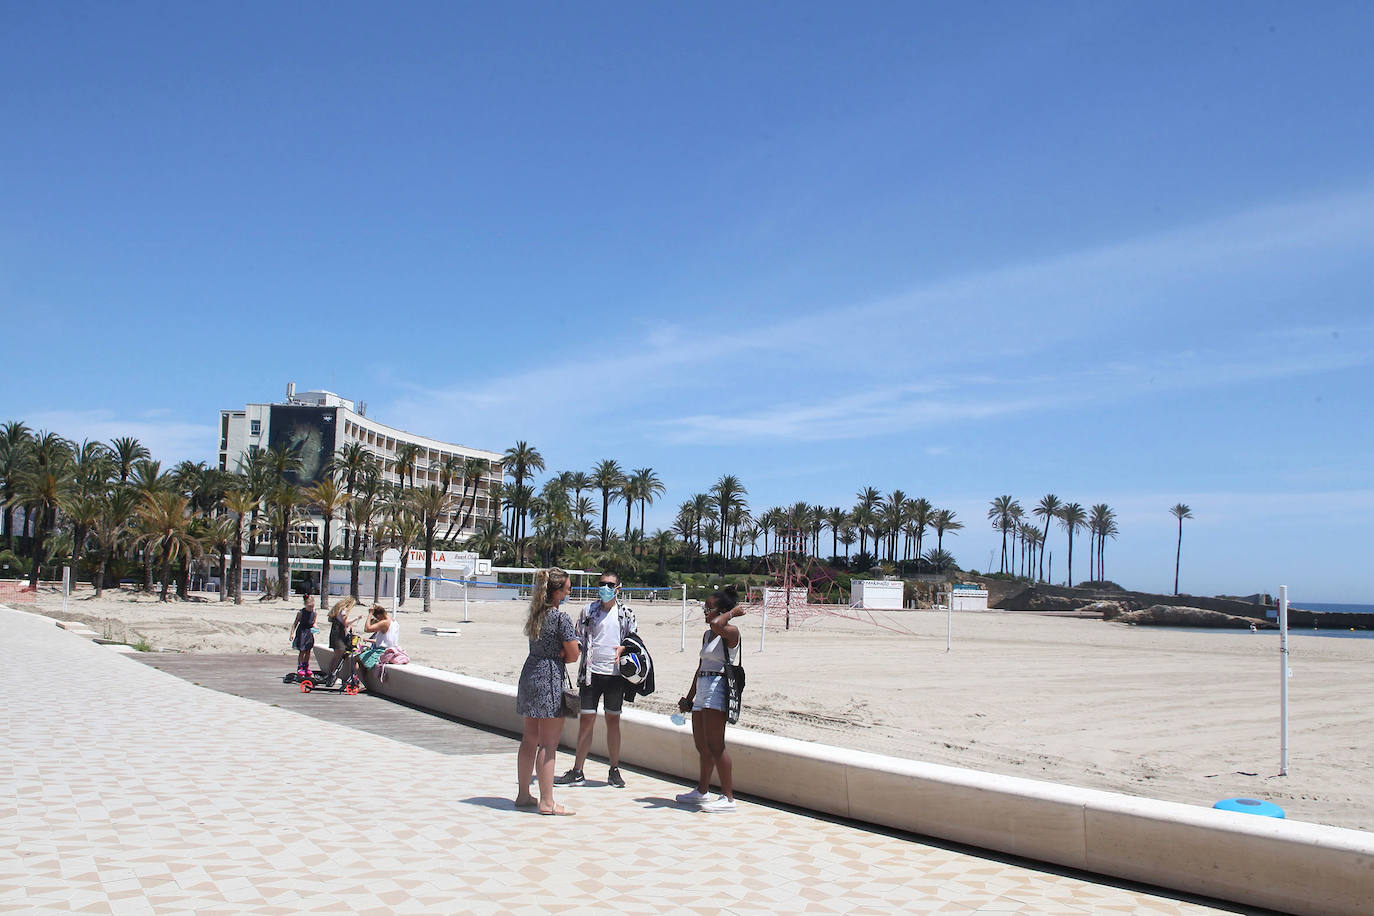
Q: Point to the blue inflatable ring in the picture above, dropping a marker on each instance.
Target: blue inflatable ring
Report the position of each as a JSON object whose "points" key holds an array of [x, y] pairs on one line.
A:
{"points": [[1250, 806]]}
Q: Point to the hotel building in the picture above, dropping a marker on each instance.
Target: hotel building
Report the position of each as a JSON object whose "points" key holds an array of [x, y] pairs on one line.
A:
{"points": [[320, 424]]}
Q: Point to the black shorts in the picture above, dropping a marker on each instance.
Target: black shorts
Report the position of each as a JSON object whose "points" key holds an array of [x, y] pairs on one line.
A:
{"points": [[607, 687]]}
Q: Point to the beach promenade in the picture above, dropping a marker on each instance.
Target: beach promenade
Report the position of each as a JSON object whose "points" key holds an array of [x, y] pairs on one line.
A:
{"points": [[128, 789]]}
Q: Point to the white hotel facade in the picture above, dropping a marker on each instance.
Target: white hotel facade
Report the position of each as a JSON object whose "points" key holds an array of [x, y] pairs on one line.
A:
{"points": [[321, 424]]}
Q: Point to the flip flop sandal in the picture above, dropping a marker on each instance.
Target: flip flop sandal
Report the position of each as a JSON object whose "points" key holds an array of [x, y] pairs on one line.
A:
{"points": [[559, 811]]}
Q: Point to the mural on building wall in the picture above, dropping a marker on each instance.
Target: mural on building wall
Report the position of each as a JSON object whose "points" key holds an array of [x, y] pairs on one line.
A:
{"points": [[308, 430]]}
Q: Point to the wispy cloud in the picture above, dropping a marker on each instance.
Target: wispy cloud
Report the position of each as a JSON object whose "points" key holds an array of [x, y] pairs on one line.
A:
{"points": [[1130, 301], [169, 441]]}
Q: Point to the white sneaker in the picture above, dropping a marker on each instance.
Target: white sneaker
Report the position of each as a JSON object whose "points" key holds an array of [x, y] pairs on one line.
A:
{"points": [[695, 798], [719, 805]]}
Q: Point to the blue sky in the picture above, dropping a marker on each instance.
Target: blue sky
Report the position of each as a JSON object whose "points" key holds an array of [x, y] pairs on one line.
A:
{"points": [[1119, 252]]}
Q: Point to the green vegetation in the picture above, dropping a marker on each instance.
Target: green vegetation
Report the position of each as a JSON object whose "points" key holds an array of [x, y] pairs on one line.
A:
{"points": [[111, 511]]}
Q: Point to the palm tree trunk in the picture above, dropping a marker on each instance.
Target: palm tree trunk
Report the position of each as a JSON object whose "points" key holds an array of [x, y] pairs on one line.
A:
{"points": [[236, 562], [223, 578], [605, 508], [283, 563], [354, 561], [1070, 558], [40, 535], [1178, 555], [401, 590], [324, 565], [377, 574], [429, 564], [166, 570], [1043, 542]]}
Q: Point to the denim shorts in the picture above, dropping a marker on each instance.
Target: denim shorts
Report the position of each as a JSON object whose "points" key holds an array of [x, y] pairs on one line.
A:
{"points": [[710, 693]]}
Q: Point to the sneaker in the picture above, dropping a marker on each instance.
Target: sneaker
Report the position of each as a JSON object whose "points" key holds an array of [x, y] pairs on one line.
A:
{"points": [[615, 778], [695, 798], [571, 778], [719, 805]]}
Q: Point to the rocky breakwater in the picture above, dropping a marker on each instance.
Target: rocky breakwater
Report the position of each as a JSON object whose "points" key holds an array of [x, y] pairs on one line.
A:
{"points": [[1172, 615]]}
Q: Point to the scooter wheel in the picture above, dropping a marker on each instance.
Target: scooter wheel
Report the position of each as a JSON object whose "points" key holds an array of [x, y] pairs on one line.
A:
{"points": [[307, 686], [351, 691]]}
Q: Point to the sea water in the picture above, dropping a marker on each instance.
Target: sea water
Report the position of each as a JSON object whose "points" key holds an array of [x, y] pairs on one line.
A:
{"points": [[1335, 608]]}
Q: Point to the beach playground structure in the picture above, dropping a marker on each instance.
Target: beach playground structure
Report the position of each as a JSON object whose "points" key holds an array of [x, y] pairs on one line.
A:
{"points": [[800, 589]]}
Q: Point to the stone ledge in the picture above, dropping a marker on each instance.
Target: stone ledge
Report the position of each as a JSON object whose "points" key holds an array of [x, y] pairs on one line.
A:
{"points": [[1280, 864]]}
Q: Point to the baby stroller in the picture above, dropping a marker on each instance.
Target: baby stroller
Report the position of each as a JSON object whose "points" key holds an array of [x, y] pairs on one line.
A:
{"points": [[334, 679]]}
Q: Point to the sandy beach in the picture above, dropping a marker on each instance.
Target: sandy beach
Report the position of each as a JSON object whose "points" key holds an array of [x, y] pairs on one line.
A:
{"points": [[1172, 714]]}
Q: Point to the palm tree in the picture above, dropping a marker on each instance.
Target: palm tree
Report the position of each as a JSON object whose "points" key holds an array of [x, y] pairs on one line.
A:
{"points": [[15, 440], [43, 483], [1180, 512], [847, 538], [662, 542], [647, 487], [729, 494], [348, 466], [1109, 530], [1030, 541], [257, 478], [1047, 508], [127, 450], [702, 511], [82, 510], [867, 501], [521, 461], [429, 504], [1002, 513], [608, 478], [283, 511], [488, 539], [577, 482], [328, 497], [406, 529], [167, 519], [894, 514], [474, 469], [921, 514], [943, 521], [367, 506], [117, 510], [240, 502], [939, 560], [1072, 518], [220, 535], [836, 518], [407, 456]]}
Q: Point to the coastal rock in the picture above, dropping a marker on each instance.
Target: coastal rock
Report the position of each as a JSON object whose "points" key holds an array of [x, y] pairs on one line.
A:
{"points": [[1110, 610], [1168, 615]]}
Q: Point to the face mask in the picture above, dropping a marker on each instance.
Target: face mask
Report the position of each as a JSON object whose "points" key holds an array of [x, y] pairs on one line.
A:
{"points": [[606, 593]]}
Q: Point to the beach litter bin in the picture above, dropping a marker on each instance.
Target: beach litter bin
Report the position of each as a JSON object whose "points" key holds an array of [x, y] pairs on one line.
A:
{"points": [[1250, 806]]}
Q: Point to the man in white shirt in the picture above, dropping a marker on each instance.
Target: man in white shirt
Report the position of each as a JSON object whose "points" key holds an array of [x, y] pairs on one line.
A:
{"points": [[601, 630]]}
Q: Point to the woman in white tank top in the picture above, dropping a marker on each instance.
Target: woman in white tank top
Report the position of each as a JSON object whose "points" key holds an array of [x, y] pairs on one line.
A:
{"points": [[707, 699]]}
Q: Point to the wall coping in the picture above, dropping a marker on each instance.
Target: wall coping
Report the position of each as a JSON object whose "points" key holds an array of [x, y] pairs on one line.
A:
{"points": [[1282, 864]]}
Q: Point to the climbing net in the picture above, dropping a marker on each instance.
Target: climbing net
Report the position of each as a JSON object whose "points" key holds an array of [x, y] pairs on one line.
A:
{"points": [[800, 589]]}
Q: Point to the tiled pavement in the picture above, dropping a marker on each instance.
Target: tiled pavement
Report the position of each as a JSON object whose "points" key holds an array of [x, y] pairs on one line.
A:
{"points": [[128, 790]]}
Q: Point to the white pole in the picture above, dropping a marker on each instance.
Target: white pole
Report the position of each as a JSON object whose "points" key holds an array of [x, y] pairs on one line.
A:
{"points": [[1283, 680], [66, 586], [763, 628], [465, 603], [683, 647], [949, 621]]}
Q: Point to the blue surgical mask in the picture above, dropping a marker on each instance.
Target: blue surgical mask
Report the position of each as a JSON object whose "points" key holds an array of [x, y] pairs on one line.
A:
{"points": [[606, 593]]}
